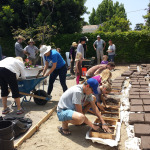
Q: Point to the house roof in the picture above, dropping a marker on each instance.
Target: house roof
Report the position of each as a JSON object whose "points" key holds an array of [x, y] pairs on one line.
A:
{"points": [[89, 28]]}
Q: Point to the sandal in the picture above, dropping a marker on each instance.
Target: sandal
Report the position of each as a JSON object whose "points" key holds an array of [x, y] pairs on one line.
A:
{"points": [[65, 132], [19, 112], [6, 111]]}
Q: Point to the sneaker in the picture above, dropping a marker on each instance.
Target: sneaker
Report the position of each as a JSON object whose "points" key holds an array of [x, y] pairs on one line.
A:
{"points": [[19, 112], [6, 111]]}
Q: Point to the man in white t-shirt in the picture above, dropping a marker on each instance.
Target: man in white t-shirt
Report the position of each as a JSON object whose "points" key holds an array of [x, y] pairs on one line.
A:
{"points": [[111, 51], [100, 46], [75, 102], [80, 47]]}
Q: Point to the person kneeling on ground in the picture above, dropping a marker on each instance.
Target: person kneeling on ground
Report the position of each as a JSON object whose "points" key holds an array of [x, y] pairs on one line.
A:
{"points": [[10, 69], [75, 102], [100, 97], [93, 71]]}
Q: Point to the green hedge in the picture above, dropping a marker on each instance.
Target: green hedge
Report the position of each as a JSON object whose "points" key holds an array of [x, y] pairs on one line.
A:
{"points": [[131, 47]]}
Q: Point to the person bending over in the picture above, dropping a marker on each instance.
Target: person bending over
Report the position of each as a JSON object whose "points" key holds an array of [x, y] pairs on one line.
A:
{"points": [[74, 103]]}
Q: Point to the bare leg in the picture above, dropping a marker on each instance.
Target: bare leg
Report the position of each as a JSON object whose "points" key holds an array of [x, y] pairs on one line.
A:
{"points": [[77, 119], [4, 101], [17, 100]]}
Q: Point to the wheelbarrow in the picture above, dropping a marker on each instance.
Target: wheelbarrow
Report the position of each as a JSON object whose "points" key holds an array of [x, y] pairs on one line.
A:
{"points": [[27, 87]]}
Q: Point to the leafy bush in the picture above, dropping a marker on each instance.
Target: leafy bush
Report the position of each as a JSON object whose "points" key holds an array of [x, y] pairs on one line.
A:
{"points": [[131, 47]]}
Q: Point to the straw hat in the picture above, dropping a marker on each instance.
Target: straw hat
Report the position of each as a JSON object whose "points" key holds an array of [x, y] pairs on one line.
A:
{"points": [[44, 49], [31, 41], [74, 44], [20, 37]]}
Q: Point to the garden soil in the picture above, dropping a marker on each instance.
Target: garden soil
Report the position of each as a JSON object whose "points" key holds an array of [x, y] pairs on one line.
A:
{"points": [[48, 137]]}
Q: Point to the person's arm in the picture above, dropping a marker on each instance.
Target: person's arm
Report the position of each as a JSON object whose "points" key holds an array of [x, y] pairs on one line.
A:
{"points": [[36, 49], [45, 67], [98, 71], [21, 68], [77, 66], [114, 48], [98, 114], [94, 45], [18, 47], [52, 69], [103, 100], [78, 108], [71, 51], [104, 45]]}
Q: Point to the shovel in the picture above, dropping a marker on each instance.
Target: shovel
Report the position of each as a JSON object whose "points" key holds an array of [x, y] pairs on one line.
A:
{"points": [[39, 73]]}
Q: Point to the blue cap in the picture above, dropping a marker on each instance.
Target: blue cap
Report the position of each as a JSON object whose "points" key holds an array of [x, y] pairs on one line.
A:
{"points": [[93, 84]]}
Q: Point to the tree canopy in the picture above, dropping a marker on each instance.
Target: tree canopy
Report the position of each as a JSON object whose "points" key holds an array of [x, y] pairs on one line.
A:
{"points": [[106, 10], [147, 18], [115, 24], [65, 15]]}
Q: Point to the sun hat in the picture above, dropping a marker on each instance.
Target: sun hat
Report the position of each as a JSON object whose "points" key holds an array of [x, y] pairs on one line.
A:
{"points": [[20, 37], [93, 84], [98, 36], [31, 41], [74, 44], [44, 49]]}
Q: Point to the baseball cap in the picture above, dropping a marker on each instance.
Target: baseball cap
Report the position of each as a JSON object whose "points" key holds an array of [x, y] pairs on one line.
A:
{"points": [[93, 84], [98, 36]]}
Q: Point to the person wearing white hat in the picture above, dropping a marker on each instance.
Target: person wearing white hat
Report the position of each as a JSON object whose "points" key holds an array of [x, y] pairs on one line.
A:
{"points": [[58, 67], [31, 51], [100, 46]]}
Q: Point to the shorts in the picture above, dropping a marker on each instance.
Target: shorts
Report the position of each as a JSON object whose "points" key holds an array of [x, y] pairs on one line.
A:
{"points": [[8, 78], [65, 115]]}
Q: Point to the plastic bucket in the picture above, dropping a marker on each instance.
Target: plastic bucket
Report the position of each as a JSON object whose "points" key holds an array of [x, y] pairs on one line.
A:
{"points": [[84, 70], [6, 135], [7, 144]]}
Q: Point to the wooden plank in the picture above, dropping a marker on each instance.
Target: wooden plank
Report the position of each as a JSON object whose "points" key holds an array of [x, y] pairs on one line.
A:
{"points": [[32, 95], [34, 129], [105, 135]]}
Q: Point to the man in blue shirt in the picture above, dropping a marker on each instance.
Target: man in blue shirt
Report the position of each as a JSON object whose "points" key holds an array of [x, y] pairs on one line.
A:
{"points": [[58, 67]]}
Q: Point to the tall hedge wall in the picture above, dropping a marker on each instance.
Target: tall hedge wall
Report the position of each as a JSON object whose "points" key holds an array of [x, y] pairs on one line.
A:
{"points": [[131, 47]]}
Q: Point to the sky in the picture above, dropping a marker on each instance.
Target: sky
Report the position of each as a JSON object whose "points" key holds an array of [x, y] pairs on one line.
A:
{"points": [[130, 5]]}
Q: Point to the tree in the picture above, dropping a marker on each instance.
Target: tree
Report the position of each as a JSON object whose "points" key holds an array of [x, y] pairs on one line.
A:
{"points": [[138, 27], [92, 19], [147, 18], [106, 10], [66, 14], [115, 24]]}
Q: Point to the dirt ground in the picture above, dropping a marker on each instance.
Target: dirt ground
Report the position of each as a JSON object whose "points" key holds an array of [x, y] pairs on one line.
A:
{"points": [[48, 138]]}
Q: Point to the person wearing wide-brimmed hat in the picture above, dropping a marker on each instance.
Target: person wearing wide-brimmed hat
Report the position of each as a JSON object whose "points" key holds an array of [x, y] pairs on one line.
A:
{"points": [[72, 56], [31, 50], [58, 67], [19, 51]]}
